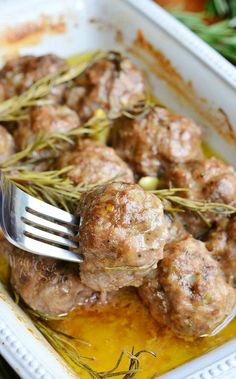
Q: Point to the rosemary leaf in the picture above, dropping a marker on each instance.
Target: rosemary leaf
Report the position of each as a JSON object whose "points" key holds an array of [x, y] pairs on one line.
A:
{"points": [[194, 205], [203, 206], [131, 268], [50, 186]]}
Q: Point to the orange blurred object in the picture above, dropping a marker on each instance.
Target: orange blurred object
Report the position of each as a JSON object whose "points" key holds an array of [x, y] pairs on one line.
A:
{"points": [[189, 5]]}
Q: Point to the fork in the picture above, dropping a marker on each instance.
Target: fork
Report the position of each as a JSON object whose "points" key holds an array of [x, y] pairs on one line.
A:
{"points": [[37, 227]]}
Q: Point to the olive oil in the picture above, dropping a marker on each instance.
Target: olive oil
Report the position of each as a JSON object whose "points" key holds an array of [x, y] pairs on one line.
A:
{"points": [[4, 269]]}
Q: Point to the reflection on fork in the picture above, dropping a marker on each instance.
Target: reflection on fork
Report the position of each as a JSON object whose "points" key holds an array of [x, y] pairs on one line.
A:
{"points": [[37, 227]]}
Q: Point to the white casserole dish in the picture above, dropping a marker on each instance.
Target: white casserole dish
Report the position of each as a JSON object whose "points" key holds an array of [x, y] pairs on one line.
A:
{"points": [[210, 99]]}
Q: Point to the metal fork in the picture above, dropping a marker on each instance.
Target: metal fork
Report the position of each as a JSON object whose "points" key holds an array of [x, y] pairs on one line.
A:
{"points": [[37, 227]]}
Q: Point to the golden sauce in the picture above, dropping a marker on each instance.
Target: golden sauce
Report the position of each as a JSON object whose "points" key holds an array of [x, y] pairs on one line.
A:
{"points": [[127, 323], [210, 152], [4, 269]]}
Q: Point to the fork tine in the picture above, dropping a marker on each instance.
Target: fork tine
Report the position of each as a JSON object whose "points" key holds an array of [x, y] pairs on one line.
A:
{"points": [[50, 241], [49, 210], [45, 228], [43, 248], [37, 220], [16, 205], [43, 234], [70, 225]]}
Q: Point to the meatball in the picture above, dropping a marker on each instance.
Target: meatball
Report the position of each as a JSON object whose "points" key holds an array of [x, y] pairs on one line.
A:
{"points": [[45, 119], [208, 180], [188, 291], [122, 235], [49, 286], [112, 83], [155, 137], [7, 144], [20, 73], [94, 163], [221, 242]]}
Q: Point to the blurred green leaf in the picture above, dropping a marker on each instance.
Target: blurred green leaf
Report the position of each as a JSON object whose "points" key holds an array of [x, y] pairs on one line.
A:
{"points": [[220, 35], [221, 8]]}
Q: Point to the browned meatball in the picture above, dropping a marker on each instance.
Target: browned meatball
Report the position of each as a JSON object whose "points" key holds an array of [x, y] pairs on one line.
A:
{"points": [[208, 180], [122, 235], [94, 163], [222, 244], [111, 84], [155, 137], [45, 119], [20, 73], [188, 291], [7, 144], [49, 286]]}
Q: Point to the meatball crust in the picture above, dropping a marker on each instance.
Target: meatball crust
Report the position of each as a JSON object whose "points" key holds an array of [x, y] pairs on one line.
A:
{"points": [[107, 84], [122, 235], [7, 144], [20, 73], [94, 163], [188, 291], [208, 180], [45, 119], [49, 286], [156, 137], [221, 242]]}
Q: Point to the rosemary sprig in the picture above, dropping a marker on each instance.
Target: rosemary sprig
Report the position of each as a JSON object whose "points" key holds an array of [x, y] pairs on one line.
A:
{"points": [[50, 186], [11, 109], [203, 206], [51, 144], [66, 347], [131, 268], [139, 110], [134, 361], [220, 35], [194, 205], [55, 188]]}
